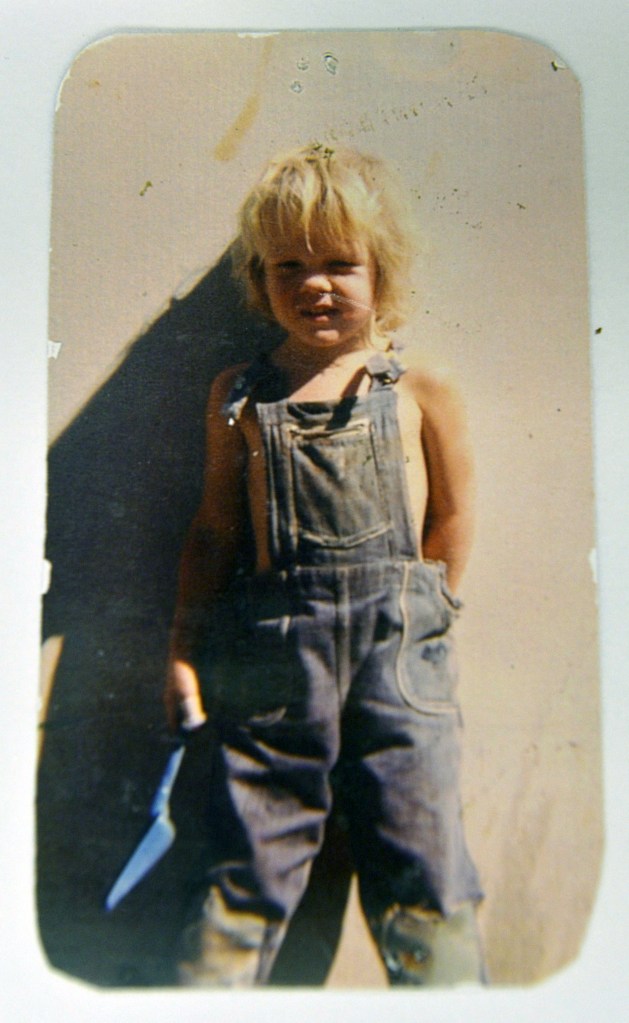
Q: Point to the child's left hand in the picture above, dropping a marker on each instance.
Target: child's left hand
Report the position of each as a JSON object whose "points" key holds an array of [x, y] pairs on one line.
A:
{"points": [[182, 697]]}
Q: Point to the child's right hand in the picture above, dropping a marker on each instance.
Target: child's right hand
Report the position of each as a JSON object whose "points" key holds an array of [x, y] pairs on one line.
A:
{"points": [[182, 697]]}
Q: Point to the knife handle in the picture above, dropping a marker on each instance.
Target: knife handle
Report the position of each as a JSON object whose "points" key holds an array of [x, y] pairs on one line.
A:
{"points": [[192, 714]]}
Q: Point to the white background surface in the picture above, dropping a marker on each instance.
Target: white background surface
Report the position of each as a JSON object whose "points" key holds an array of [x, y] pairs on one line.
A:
{"points": [[37, 43]]}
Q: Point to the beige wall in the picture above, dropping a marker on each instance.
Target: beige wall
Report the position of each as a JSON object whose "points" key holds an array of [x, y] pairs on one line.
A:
{"points": [[157, 138]]}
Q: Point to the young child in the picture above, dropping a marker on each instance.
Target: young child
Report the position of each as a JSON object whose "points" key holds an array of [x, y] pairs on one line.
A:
{"points": [[315, 598]]}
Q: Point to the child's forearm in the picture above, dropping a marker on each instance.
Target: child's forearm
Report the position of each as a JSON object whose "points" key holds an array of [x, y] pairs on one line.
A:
{"points": [[450, 540], [206, 567]]}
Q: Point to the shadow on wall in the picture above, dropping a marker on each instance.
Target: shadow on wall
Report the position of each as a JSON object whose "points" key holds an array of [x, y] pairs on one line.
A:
{"points": [[124, 483]]}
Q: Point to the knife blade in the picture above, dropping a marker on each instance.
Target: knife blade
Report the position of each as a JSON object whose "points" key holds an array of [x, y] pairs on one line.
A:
{"points": [[157, 840]]}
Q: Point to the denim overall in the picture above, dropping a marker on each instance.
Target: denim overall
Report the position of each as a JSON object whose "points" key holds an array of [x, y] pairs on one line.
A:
{"points": [[340, 658]]}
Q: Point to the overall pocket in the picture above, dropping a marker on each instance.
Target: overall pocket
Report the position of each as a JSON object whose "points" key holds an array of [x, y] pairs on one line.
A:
{"points": [[427, 667], [336, 496], [249, 676]]}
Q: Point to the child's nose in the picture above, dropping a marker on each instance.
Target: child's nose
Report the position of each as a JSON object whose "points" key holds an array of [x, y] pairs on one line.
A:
{"points": [[317, 280]]}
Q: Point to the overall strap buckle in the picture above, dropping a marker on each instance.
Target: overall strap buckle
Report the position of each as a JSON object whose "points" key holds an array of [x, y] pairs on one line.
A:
{"points": [[384, 370], [243, 386]]}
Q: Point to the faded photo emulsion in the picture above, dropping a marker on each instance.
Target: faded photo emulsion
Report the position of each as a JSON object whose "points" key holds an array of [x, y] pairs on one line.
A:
{"points": [[320, 700]]}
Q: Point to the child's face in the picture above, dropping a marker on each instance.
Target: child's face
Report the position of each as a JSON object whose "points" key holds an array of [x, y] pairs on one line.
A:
{"points": [[323, 295]]}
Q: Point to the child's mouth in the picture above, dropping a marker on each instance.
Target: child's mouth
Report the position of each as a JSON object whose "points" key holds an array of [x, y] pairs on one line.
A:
{"points": [[317, 315]]}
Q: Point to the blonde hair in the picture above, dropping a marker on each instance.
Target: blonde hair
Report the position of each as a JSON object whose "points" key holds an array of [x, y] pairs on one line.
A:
{"points": [[336, 194]]}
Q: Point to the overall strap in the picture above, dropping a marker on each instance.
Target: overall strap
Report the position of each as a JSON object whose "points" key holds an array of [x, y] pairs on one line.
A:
{"points": [[384, 370], [243, 386]]}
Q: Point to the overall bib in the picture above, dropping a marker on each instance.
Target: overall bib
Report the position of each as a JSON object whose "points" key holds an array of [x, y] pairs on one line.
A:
{"points": [[340, 658]]}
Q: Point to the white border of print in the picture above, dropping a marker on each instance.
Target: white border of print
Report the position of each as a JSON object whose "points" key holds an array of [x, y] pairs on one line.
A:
{"points": [[38, 42]]}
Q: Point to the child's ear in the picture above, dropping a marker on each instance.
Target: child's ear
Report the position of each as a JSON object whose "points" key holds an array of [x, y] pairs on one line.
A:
{"points": [[256, 268], [378, 282], [258, 277], [257, 280]]}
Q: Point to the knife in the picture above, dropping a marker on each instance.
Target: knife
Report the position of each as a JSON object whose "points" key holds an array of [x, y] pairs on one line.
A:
{"points": [[157, 840], [161, 834]]}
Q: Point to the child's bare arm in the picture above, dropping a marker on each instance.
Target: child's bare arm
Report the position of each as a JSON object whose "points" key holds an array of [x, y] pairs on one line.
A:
{"points": [[449, 524], [209, 555]]}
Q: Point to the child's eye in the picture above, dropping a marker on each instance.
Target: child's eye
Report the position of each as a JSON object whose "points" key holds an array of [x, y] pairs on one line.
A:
{"points": [[342, 264], [287, 265]]}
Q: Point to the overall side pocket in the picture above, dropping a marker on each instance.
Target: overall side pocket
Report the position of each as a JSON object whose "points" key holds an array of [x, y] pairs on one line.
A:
{"points": [[264, 687], [427, 667]]}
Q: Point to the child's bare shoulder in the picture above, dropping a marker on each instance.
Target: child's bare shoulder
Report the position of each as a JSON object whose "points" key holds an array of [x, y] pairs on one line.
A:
{"points": [[434, 388]]}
